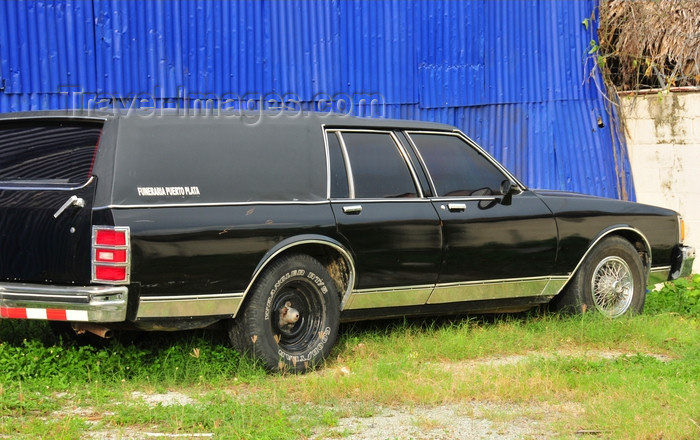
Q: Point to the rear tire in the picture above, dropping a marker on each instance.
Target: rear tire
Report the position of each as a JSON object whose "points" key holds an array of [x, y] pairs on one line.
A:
{"points": [[295, 283], [611, 281]]}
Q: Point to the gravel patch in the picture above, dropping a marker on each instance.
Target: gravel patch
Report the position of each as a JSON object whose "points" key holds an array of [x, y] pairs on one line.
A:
{"points": [[167, 399], [518, 358], [468, 421]]}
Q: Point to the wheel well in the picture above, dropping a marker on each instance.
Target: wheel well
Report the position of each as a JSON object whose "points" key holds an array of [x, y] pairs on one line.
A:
{"points": [[334, 262], [632, 236], [639, 243]]}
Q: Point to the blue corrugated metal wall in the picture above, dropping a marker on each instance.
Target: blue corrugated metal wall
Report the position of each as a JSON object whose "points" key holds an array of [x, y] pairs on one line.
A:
{"points": [[511, 74]]}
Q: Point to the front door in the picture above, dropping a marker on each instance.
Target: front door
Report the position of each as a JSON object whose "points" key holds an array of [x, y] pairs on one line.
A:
{"points": [[493, 250]]}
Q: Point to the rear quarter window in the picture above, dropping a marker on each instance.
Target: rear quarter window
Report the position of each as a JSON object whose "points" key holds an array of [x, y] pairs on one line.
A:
{"points": [[47, 152]]}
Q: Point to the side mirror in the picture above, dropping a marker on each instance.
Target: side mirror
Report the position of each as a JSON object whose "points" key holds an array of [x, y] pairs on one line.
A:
{"points": [[508, 189]]}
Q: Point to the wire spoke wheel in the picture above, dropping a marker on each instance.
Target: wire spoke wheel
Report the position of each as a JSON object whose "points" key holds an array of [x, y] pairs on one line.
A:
{"points": [[610, 281], [612, 286]]}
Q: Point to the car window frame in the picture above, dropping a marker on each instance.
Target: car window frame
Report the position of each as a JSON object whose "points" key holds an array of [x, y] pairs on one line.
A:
{"points": [[348, 165], [470, 143]]}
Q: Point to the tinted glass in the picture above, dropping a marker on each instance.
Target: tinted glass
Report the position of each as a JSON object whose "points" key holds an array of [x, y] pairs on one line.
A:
{"points": [[456, 168], [378, 168], [339, 175], [47, 152]]}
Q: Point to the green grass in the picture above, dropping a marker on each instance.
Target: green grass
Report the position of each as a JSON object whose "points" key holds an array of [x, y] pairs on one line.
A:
{"points": [[628, 378]]}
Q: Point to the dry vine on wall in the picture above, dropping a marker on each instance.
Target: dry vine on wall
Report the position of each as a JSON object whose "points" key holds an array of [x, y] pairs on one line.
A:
{"points": [[648, 44]]}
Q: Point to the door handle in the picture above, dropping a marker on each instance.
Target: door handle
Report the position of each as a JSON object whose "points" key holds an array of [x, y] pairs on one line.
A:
{"points": [[352, 209], [457, 207], [73, 200]]}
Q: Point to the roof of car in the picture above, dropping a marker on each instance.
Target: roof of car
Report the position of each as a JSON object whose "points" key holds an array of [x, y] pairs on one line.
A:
{"points": [[314, 118]]}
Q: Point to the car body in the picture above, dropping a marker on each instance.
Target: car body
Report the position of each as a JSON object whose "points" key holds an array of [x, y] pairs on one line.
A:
{"points": [[283, 225]]}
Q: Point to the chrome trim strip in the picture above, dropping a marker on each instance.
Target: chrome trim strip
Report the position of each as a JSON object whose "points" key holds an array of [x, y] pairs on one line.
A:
{"points": [[362, 130], [45, 188], [466, 199], [555, 285], [348, 165], [212, 204], [67, 116], [433, 190], [103, 303], [658, 275], [189, 305], [545, 287], [328, 161], [399, 200], [492, 289], [411, 296], [394, 289], [407, 161]]}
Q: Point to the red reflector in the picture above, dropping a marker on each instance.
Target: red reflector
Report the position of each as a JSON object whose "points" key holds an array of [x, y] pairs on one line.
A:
{"points": [[55, 315], [110, 273], [110, 255], [107, 237], [13, 313]]}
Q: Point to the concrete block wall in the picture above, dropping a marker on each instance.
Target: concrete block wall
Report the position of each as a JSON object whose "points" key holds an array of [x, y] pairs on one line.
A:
{"points": [[663, 141]]}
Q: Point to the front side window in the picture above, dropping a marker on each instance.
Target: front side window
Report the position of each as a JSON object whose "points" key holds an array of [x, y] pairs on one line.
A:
{"points": [[47, 152], [456, 168], [379, 170]]}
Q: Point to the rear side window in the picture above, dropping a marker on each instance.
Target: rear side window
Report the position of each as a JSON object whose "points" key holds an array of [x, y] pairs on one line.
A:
{"points": [[378, 168], [47, 152]]}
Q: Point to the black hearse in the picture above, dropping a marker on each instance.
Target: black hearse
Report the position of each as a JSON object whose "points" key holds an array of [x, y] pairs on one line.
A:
{"points": [[282, 226]]}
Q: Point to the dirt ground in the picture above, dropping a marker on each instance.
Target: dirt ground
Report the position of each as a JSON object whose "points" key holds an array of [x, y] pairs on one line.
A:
{"points": [[472, 420]]}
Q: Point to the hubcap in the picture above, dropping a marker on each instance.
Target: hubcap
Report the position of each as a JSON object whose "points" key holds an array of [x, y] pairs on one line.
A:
{"points": [[612, 286], [295, 333]]}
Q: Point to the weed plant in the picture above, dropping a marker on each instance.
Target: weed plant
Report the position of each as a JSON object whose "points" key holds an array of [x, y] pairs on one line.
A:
{"points": [[630, 378], [681, 296]]}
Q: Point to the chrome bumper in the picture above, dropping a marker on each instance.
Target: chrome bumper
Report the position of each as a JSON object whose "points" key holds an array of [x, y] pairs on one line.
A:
{"points": [[63, 303], [683, 262]]}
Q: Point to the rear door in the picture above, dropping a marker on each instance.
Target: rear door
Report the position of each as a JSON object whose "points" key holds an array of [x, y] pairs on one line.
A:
{"points": [[46, 197], [392, 230]]}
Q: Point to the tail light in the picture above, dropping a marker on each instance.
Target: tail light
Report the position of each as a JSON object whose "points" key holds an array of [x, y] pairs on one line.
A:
{"points": [[111, 255]]}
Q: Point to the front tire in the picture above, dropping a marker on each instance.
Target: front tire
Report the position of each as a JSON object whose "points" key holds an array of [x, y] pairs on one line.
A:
{"points": [[291, 319], [610, 281]]}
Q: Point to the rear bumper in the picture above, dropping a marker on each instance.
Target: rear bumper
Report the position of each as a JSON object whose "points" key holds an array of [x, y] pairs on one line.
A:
{"points": [[63, 303]]}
